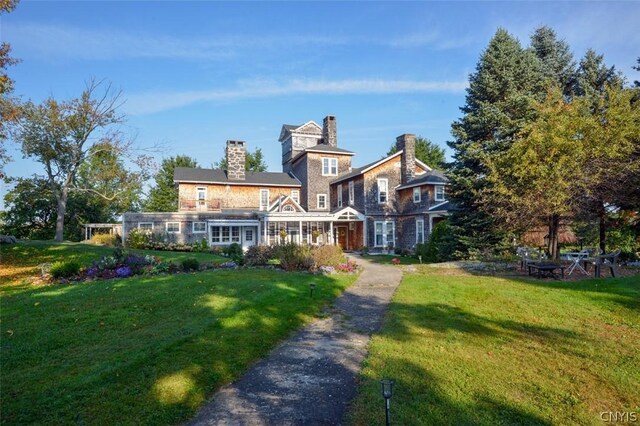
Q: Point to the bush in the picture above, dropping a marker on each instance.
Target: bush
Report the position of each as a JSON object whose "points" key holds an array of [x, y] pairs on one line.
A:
{"points": [[108, 240], [295, 257], [139, 239], [327, 256], [258, 255], [436, 249], [190, 264], [65, 269], [235, 253]]}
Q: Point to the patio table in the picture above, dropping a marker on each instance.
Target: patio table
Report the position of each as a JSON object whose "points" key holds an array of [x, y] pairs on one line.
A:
{"points": [[545, 269], [576, 259]]}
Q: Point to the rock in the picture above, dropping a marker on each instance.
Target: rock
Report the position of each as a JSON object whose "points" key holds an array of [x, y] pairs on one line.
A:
{"points": [[8, 239]]}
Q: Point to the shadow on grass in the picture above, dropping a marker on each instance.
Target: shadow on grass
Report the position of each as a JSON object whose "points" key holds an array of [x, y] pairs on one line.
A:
{"points": [[144, 350]]}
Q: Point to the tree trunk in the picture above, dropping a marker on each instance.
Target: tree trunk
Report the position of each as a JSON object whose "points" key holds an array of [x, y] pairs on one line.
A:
{"points": [[602, 227], [554, 230], [62, 208]]}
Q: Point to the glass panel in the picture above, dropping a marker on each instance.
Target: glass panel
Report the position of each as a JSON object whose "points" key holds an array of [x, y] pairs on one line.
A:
{"points": [[235, 234], [379, 234], [215, 234], [248, 235], [390, 233], [225, 234]]}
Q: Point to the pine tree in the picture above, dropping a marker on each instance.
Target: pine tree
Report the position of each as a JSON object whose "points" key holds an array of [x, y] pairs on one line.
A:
{"points": [[163, 197], [558, 65], [593, 76], [502, 91]]}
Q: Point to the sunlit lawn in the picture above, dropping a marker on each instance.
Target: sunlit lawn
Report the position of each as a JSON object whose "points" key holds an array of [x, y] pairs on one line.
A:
{"points": [[467, 349], [143, 350]]}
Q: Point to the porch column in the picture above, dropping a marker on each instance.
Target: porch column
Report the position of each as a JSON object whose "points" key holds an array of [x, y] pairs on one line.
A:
{"points": [[299, 232], [259, 233], [364, 233], [331, 234], [266, 229], [430, 224]]}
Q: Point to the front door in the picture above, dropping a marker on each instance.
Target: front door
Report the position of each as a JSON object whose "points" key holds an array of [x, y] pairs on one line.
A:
{"points": [[342, 236]]}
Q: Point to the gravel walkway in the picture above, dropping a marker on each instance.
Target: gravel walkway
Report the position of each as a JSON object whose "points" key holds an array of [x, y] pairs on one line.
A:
{"points": [[310, 378]]}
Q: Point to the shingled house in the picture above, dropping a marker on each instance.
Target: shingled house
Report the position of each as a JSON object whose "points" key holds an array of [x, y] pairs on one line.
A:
{"points": [[318, 198]]}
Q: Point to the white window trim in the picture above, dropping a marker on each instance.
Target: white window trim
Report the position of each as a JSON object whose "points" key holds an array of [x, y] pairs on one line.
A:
{"points": [[166, 227], [421, 226], [193, 228], [385, 223], [330, 160], [263, 207], [229, 228], [435, 193], [417, 190], [198, 188], [340, 195], [246, 230], [386, 181], [145, 223], [318, 201], [295, 195], [352, 194]]}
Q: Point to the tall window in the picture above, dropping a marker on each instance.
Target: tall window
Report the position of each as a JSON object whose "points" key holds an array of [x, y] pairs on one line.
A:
{"points": [[419, 231], [295, 195], [339, 195], [201, 193], [264, 199], [383, 189], [417, 196], [329, 167], [385, 233], [322, 201], [439, 193], [351, 193]]}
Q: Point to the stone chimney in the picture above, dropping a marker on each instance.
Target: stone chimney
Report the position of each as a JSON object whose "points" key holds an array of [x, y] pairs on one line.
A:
{"points": [[329, 132], [407, 144], [236, 153]]}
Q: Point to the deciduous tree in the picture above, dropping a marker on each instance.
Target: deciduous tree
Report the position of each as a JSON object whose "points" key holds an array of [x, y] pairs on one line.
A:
{"points": [[254, 162], [163, 196], [427, 152]]}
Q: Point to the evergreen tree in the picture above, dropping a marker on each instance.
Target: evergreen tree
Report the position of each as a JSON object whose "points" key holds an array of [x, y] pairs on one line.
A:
{"points": [[637, 68], [253, 161], [555, 57], [593, 76], [427, 152], [505, 86], [163, 197]]}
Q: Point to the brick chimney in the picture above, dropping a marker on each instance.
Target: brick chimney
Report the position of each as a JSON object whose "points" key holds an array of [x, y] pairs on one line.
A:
{"points": [[236, 153], [407, 144], [329, 132]]}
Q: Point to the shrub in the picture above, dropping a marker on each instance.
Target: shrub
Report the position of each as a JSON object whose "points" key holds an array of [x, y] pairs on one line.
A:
{"points": [[327, 255], [123, 272], [235, 253], [258, 255], [204, 244], [347, 267], [65, 269], [139, 238], [108, 240], [190, 264], [437, 249], [295, 257]]}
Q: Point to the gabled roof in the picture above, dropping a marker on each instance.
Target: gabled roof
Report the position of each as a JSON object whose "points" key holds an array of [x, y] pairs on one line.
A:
{"points": [[361, 170], [433, 177], [308, 127], [196, 175], [322, 149], [282, 201]]}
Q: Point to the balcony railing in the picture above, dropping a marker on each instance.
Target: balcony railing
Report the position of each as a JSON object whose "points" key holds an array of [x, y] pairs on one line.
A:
{"points": [[200, 205]]}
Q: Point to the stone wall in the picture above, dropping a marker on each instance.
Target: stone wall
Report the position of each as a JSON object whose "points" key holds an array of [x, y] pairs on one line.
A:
{"points": [[330, 131], [407, 144], [236, 154]]}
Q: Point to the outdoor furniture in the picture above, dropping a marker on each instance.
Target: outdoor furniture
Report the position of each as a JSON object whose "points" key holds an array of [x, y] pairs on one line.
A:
{"points": [[528, 255], [576, 258], [608, 261], [541, 269]]}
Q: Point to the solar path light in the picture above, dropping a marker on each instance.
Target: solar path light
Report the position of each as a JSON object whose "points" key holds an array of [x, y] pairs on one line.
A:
{"points": [[387, 392]]}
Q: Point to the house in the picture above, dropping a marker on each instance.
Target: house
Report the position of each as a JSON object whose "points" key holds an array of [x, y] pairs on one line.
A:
{"points": [[318, 198]]}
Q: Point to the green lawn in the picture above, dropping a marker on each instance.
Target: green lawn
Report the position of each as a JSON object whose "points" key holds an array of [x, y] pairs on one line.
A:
{"points": [[467, 349], [142, 350]]}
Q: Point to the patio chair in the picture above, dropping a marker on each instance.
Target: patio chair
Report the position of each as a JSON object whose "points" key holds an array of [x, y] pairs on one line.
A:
{"points": [[608, 261]]}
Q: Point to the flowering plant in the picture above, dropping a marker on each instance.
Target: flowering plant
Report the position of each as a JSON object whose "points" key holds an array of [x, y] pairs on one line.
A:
{"points": [[123, 272], [327, 269], [347, 267], [229, 265], [395, 261]]}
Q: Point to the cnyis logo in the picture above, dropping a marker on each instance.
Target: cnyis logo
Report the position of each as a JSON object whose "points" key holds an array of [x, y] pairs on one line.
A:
{"points": [[619, 416]]}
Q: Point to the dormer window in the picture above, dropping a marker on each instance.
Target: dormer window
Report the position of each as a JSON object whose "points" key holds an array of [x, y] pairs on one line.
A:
{"points": [[329, 167], [439, 196]]}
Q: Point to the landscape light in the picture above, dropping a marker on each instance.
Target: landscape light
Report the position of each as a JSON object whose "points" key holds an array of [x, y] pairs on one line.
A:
{"points": [[387, 392]]}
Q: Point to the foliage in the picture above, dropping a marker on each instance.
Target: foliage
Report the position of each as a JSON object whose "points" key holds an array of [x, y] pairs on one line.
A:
{"points": [[436, 249], [234, 252], [348, 267], [65, 136], [163, 196], [190, 264], [109, 240], [558, 66], [65, 269], [258, 255], [7, 103], [254, 161], [295, 256], [327, 255], [427, 152]]}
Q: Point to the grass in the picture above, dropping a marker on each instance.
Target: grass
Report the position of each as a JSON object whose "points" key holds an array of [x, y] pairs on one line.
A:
{"points": [[142, 350], [467, 349], [385, 259]]}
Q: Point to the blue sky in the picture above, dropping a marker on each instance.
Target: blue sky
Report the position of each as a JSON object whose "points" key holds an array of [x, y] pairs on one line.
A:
{"points": [[195, 74]]}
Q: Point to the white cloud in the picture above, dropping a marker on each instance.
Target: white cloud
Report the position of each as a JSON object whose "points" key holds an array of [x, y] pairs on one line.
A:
{"points": [[153, 102]]}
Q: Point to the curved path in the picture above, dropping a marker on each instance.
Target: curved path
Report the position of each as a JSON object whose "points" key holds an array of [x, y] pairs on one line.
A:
{"points": [[310, 378]]}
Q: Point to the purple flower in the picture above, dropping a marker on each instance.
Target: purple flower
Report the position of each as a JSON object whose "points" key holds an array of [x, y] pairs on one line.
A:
{"points": [[229, 265], [123, 272], [92, 272]]}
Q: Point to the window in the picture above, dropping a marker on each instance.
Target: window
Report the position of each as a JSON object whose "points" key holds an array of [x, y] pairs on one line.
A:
{"points": [[351, 193], [248, 235], [295, 195], [419, 231], [385, 233], [329, 167], [145, 226], [173, 227], [383, 189], [339, 195], [201, 193], [199, 227], [225, 234], [417, 196], [235, 234], [322, 201], [264, 199], [439, 193]]}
